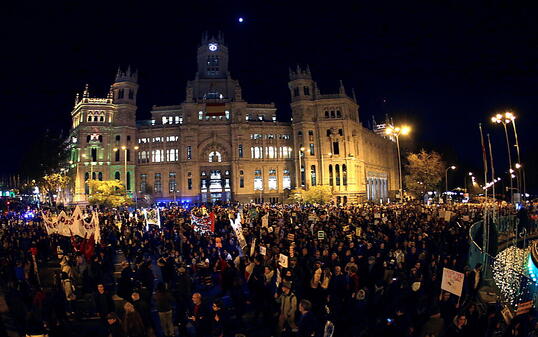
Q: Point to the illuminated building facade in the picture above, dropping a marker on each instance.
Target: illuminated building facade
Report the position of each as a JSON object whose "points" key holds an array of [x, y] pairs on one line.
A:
{"points": [[216, 146]]}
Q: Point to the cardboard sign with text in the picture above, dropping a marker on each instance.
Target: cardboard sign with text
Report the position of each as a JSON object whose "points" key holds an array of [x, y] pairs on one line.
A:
{"points": [[452, 281], [283, 261]]}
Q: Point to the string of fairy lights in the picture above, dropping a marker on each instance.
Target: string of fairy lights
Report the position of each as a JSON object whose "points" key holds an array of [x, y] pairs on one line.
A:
{"points": [[516, 275]]}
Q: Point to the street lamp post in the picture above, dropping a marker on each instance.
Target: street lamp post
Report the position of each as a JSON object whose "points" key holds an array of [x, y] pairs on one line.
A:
{"points": [[301, 151], [446, 180], [500, 119], [396, 132], [124, 148]]}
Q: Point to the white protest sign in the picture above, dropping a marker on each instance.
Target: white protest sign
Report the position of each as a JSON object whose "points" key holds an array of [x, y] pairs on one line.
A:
{"points": [[452, 281], [283, 261], [321, 235], [265, 220], [263, 250]]}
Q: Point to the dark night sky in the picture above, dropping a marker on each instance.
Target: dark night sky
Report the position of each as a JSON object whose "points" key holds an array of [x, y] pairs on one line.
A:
{"points": [[441, 67]]}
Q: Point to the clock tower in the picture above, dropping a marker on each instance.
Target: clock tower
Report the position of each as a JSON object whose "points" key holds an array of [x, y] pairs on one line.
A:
{"points": [[213, 81], [212, 57]]}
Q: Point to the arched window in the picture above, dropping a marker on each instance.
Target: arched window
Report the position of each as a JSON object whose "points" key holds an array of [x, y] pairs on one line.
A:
{"points": [[332, 114], [100, 138], [117, 175], [344, 174], [215, 157], [337, 169], [330, 175], [100, 176], [86, 176], [326, 114], [94, 175], [102, 118], [94, 154], [328, 132], [338, 114], [313, 175], [88, 138]]}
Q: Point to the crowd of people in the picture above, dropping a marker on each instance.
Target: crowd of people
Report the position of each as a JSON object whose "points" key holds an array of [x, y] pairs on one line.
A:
{"points": [[361, 270]]}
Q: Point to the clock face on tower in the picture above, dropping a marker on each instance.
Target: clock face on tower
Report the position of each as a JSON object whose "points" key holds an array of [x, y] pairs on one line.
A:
{"points": [[213, 47]]}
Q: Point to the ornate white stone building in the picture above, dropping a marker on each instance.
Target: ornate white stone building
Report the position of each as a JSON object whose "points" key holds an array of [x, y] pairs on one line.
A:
{"points": [[216, 146]]}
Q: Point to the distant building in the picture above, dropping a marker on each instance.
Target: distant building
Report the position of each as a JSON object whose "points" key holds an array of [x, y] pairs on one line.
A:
{"points": [[216, 146]]}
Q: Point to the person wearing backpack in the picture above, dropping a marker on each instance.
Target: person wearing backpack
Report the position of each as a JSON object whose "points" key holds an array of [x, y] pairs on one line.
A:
{"points": [[288, 307]]}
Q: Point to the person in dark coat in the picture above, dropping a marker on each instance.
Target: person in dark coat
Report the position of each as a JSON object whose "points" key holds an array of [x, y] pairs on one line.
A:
{"points": [[308, 323], [114, 325], [132, 322], [103, 302]]}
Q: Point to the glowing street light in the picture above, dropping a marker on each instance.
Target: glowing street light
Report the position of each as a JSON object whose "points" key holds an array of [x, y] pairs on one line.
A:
{"points": [[504, 120], [453, 167], [396, 132]]}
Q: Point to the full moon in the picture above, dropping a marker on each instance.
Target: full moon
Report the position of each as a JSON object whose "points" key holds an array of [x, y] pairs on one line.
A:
{"points": [[240, 20]]}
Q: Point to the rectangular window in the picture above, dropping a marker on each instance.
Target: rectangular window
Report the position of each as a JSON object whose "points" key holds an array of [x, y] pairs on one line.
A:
{"points": [[271, 153], [172, 154], [189, 183], [311, 149], [172, 182], [272, 181], [286, 180], [165, 120], [117, 155], [336, 148], [143, 183], [189, 152], [241, 182], [258, 181], [157, 156], [158, 185], [310, 135], [240, 150]]}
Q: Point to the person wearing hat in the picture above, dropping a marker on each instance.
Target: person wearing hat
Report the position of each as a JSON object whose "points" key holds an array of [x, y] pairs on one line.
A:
{"points": [[288, 307]]}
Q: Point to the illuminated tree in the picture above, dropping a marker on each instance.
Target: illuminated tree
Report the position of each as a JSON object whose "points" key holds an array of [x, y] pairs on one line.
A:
{"points": [[313, 195], [108, 193], [54, 183], [425, 172]]}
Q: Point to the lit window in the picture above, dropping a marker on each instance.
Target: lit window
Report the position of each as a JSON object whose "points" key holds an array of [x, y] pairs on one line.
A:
{"points": [[286, 179], [189, 152], [157, 183], [172, 154], [227, 113], [200, 115], [215, 157], [240, 150], [272, 181], [311, 149], [313, 175], [165, 120], [172, 182], [258, 182]]}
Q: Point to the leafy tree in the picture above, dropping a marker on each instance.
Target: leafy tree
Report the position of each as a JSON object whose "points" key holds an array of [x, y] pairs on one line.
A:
{"points": [[52, 184], [425, 171], [45, 156], [108, 193], [313, 195]]}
